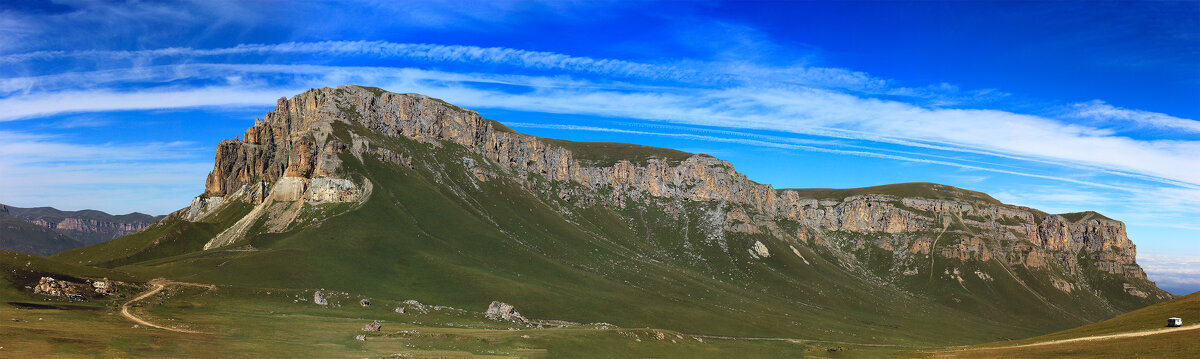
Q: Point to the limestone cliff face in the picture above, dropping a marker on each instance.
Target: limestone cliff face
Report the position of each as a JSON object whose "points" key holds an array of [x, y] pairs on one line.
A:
{"points": [[290, 155], [283, 144], [91, 225]]}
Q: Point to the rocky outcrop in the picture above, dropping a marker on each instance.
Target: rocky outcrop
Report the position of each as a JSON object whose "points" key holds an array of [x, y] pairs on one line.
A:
{"points": [[417, 306], [761, 250], [319, 299], [281, 162], [291, 141], [505, 312], [104, 286], [373, 326], [60, 288], [201, 207]]}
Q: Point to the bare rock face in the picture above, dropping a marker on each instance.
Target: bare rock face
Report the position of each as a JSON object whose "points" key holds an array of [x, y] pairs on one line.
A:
{"points": [[288, 158], [202, 207], [501, 311], [324, 189], [291, 147]]}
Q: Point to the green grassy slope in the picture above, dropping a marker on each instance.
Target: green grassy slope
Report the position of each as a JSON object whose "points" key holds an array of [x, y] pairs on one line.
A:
{"points": [[171, 236], [913, 189], [1161, 344], [20, 270], [1152, 317], [605, 154], [1077, 216]]}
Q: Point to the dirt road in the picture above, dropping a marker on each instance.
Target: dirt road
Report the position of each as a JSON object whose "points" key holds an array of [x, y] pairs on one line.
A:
{"points": [[157, 286], [1100, 337]]}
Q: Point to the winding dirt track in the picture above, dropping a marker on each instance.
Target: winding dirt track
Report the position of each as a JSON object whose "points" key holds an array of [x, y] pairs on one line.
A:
{"points": [[1106, 337], [1143, 333], [158, 284]]}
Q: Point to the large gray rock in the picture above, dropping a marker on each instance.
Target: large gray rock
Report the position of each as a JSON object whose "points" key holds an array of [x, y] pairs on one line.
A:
{"points": [[373, 326], [501, 311]]}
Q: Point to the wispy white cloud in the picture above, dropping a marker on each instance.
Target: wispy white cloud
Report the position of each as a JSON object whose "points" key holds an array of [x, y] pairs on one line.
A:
{"points": [[691, 72], [84, 121], [73, 24], [18, 148], [1102, 111], [430, 52], [829, 103], [803, 110], [49, 170], [248, 75], [44, 104]]}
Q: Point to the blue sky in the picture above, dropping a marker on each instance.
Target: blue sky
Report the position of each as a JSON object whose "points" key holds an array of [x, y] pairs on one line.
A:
{"points": [[1061, 106]]}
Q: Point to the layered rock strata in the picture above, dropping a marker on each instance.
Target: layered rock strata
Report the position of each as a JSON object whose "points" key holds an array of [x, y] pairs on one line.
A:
{"points": [[87, 226]]}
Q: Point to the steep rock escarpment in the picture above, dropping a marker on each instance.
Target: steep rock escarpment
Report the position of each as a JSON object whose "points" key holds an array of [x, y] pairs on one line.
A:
{"points": [[292, 157]]}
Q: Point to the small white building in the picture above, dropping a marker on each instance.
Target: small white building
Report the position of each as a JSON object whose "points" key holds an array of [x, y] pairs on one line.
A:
{"points": [[1174, 322]]}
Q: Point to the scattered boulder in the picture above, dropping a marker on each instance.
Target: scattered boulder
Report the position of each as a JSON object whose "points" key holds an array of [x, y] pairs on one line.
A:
{"points": [[319, 299], [501, 311], [103, 287], [365, 302], [373, 326], [417, 306], [399, 310], [761, 249], [360, 337], [59, 288]]}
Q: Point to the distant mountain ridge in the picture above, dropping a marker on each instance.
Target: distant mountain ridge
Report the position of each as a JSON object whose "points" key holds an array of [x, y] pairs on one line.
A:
{"points": [[75, 228], [394, 194]]}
